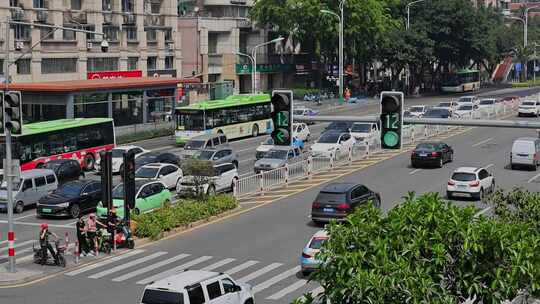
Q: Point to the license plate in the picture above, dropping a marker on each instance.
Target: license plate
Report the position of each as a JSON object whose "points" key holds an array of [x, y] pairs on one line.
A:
{"points": [[462, 186], [423, 154], [328, 209], [46, 210]]}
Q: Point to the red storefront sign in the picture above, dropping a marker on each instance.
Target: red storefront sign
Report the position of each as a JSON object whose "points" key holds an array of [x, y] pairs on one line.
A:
{"points": [[114, 74]]}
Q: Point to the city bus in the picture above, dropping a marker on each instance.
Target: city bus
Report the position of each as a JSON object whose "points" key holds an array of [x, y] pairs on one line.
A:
{"points": [[80, 138], [462, 81], [235, 116]]}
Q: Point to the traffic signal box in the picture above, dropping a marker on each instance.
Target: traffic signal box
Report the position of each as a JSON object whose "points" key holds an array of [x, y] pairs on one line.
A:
{"points": [[12, 112], [282, 104], [129, 183], [391, 120]]}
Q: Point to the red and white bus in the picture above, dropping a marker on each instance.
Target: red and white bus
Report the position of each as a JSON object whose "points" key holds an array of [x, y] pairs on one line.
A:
{"points": [[80, 138]]}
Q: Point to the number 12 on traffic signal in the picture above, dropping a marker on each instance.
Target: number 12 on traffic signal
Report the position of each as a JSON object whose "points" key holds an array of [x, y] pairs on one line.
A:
{"points": [[391, 120]]}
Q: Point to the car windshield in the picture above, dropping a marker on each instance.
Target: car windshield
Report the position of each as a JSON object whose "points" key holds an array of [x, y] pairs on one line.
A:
{"points": [[465, 99], [145, 159], [298, 112], [325, 197], [437, 113], [329, 138], [416, 109], [146, 172], [69, 189], [426, 147], [117, 153], [528, 103], [205, 155], [463, 177], [361, 128], [338, 125], [276, 154], [465, 108], [445, 104], [317, 242], [487, 102], [194, 145]]}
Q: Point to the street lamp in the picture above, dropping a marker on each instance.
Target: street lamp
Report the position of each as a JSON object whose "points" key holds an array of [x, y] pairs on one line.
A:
{"points": [[409, 12], [252, 69], [524, 27], [254, 55], [341, 21], [527, 8]]}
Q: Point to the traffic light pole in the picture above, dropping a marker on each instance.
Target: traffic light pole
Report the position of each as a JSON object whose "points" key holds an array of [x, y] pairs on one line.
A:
{"points": [[9, 182]]}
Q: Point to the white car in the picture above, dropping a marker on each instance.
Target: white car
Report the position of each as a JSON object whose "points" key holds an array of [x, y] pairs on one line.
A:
{"points": [[417, 111], [168, 174], [264, 147], [470, 182], [529, 108], [468, 99], [331, 144], [118, 157], [465, 110], [487, 104], [222, 180], [366, 133], [301, 131], [448, 105]]}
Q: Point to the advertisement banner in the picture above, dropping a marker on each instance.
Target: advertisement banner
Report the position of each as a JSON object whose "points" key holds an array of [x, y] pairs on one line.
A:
{"points": [[114, 74]]}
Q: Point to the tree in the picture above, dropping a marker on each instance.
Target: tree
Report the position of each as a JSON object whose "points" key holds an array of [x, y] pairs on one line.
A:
{"points": [[427, 250], [199, 173]]}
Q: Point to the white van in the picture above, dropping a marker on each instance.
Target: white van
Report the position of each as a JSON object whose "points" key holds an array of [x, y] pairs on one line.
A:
{"points": [[197, 287], [525, 151], [33, 185]]}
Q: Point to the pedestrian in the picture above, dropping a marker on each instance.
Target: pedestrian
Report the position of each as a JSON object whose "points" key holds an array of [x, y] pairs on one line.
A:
{"points": [[81, 236], [91, 231], [44, 235], [112, 224]]}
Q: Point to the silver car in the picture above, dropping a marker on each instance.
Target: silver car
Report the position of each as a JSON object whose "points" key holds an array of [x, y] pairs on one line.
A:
{"points": [[277, 157], [27, 191], [203, 142], [218, 156]]}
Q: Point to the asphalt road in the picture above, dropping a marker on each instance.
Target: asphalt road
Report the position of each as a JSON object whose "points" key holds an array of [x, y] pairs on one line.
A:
{"points": [[262, 247]]}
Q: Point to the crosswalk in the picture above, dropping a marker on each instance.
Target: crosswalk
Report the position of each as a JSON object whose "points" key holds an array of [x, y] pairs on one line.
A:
{"points": [[270, 281]]}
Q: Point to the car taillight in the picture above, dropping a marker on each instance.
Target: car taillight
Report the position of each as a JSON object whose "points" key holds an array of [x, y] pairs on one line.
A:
{"points": [[435, 154], [451, 183], [474, 184], [343, 206], [316, 205], [305, 255]]}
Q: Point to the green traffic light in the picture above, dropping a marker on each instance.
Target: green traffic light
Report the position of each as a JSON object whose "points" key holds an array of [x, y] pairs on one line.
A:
{"points": [[391, 139]]}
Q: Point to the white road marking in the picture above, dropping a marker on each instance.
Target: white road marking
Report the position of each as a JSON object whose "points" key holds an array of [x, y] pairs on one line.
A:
{"points": [[483, 142], [241, 267], [218, 264], [533, 178], [483, 211], [149, 268], [127, 265], [24, 216], [287, 290], [104, 262], [174, 270], [17, 245], [415, 171], [30, 257], [273, 280], [489, 166], [244, 150], [259, 272]]}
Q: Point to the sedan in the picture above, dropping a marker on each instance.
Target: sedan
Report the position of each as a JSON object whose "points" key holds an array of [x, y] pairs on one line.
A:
{"points": [[431, 153], [156, 157], [305, 112], [417, 111], [308, 261], [150, 195], [71, 199], [332, 144], [449, 105], [168, 174], [118, 156], [437, 113], [466, 110]]}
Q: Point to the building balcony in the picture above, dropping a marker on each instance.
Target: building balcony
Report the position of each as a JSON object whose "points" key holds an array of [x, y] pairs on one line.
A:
{"points": [[154, 20], [215, 63], [18, 14]]}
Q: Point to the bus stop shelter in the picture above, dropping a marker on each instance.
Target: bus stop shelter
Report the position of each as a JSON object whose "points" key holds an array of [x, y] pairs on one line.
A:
{"points": [[128, 101]]}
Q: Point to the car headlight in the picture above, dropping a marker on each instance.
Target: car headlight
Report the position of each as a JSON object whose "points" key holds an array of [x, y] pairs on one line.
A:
{"points": [[63, 205]]}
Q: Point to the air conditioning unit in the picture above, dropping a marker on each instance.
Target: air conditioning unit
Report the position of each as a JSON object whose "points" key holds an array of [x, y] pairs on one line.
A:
{"points": [[19, 45], [170, 46], [42, 16], [17, 14], [107, 18], [129, 18], [89, 45]]}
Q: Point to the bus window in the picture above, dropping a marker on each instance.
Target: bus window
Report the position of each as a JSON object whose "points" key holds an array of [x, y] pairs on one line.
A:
{"points": [[192, 120]]}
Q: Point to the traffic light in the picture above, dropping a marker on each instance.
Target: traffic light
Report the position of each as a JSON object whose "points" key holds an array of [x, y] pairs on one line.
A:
{"points": [[2, 113], [13, 112], [282, 103], [106, 178], [391, 119], [129, 180]]}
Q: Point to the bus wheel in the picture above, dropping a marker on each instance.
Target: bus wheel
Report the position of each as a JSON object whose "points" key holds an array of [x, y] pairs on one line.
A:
{"points": [[255, 131], [89, 162]]}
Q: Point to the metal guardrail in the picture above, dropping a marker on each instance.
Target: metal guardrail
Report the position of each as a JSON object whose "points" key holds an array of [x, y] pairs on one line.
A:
{"points": [[306, 168]]}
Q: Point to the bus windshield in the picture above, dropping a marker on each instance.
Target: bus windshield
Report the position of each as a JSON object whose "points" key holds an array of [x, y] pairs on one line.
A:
{"points": [[192, 120]]}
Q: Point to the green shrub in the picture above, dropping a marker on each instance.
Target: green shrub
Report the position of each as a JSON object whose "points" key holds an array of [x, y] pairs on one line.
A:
{"points": [[527, 84], [183, 213], [148, 134]]}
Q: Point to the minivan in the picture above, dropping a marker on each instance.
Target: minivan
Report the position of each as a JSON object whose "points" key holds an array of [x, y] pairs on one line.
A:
{"points": [[525, 152], [33, 185], [203, 142]]}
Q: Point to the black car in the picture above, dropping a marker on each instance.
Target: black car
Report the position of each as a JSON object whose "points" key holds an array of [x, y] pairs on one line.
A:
{"points": [[431, 153], [437, 113], [338, 200], [340, 126], [157, 157], [71, 199], [65, 169]]}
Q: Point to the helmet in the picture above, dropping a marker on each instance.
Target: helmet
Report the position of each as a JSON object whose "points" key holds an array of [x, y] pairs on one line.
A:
{"points": [[44, 226]]}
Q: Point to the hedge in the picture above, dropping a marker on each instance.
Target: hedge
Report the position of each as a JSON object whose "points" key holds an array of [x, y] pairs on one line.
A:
{"points": [[149, 134], [527, 84], [181, 214]]}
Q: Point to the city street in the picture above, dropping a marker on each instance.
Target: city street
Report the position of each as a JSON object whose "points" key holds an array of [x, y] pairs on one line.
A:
{"points": [[262, 247]]}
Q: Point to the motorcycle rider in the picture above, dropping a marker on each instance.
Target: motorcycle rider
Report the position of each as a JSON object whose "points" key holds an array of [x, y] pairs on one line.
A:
{"points": [[44, 235], [114, 221]]}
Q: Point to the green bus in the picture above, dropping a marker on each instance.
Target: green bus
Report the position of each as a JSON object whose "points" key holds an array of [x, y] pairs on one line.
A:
{"points": [[80, 138], [235, 116], [463, 81]]}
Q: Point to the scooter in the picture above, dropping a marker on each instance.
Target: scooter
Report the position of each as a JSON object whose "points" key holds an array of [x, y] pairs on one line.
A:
{"points": [[123, 237], [39, 252]]}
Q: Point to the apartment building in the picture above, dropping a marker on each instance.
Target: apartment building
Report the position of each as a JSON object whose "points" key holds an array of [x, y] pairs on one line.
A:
{"points": [[143, 39]]}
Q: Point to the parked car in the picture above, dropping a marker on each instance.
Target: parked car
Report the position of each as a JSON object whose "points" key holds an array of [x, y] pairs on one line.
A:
{"points": [[202, 142], [487, 104], [466, 110], [417, 111], [150, 195], [71, 199], [222, 180], [448, 105], [301, 131], [470, 182], [197, 287], [525, 152], [468, 99], [157, 157], [305, 112], [27, 191], [529, 108], [65, 169], [308, 261], [118, 157], [168, 174], [431, 154], [218, 156], [331, 144], [366, 133], [338, 200], [339, 126], [277, 157], [437, 113]]}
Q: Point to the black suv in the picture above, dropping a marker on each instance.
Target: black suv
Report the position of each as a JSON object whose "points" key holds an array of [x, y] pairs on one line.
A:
{"points": [[65, 169], [337, 200]]}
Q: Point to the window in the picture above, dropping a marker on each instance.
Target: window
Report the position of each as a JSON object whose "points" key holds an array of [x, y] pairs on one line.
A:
{"points": [[51, 179], [212, 43], [110, 33], [21, 32], [195, 294], [151, 63], [228, 285], [27, 184], [169, 62], [128, 6], [151, 35], [131, 33], [23, 66], [40, 181], [359, 192], [215, 141], [58, 65], [46, 33], [90, 36], [214, 290], [483, 174], [152, 296], [39, 3], [102, 64], [106, 5], [132, 63], [67, 34], [14, 3], [76, 5], [168, 34], [223, 139]]}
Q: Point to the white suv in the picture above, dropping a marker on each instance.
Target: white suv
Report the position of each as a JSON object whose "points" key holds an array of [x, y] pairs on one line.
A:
{"points": [[222, 180], [529, 108], [197, 287], [470, 182]]}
